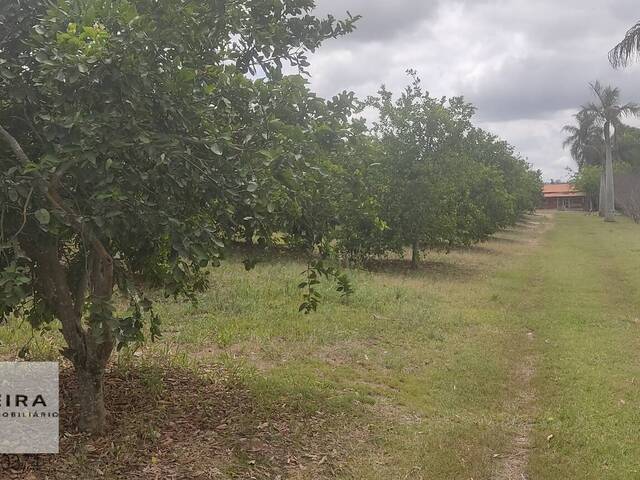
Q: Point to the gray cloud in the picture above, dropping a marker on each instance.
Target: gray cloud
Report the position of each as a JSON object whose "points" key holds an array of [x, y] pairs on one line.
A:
{"points": [[536, 86], [526, 65], [383, 20]]}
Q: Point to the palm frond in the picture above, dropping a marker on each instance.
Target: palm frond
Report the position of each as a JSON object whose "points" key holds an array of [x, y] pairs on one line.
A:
{"points": [[592, 113], [569, 142], [627, 49], [570, 129], [590, 109], [608, 96], [585, 138], [630, 108]]}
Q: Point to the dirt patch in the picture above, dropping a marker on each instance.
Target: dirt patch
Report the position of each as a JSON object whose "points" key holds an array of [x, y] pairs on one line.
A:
{"points": [[212, 351], [512, 464], [171, 423], [393, 414]]}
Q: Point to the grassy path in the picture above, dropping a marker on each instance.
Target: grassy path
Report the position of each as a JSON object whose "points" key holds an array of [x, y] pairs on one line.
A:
{"points": [[577, 295], [588, 345], [515, 359]]}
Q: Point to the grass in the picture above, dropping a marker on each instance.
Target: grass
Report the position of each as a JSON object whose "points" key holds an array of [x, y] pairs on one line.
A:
{"points": [[589, 343], [517, 355]]}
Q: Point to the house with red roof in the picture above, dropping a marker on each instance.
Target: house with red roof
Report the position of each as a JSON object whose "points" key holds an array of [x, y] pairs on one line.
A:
{"points": [[562, 196]]}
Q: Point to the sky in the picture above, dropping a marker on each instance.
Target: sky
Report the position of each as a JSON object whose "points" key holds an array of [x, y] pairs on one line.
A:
{"points": [[526, 65]]}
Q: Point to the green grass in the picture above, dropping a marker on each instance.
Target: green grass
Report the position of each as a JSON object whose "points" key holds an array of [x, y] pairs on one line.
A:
{"points": [[435, 373], [588, 335]]}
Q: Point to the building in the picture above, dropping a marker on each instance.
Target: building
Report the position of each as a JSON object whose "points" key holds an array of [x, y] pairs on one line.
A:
{"points": [[562, 196]]}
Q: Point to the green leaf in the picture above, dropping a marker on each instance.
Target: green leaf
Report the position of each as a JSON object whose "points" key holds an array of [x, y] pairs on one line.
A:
{"points": [[267, 154], [43, 216], [252, 187], [9, 75], [42, 58], [215, 148]]}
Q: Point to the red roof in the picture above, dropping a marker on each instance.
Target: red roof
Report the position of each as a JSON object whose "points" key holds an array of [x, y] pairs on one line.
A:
{"points": [[555, 190]]}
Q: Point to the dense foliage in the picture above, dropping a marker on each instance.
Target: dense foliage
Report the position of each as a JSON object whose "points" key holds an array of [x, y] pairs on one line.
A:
{"points": [[445, 183], [587, 180], [127, 126], [139, 138]]}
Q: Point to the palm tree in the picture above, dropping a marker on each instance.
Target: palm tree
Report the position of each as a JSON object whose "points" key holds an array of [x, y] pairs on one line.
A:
{"points": [[586, 144], [627, 49], [584, 140], [607, 113]]}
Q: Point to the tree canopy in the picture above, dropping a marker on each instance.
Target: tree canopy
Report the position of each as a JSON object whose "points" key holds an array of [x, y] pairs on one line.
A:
{"points": [[126, 135]]}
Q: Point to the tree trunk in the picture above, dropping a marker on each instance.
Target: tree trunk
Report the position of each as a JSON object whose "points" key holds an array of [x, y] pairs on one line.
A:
{"points": [[415, 254], [99, 345], [91, 399], [609, 214], [601, 198], [248, 235], [88, 349]]}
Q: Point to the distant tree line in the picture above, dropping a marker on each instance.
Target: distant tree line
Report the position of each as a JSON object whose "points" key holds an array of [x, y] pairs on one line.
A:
{"points": [[423, 176]]}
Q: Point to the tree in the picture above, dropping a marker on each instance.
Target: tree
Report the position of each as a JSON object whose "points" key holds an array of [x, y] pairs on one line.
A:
{"points": [[522, 183], [121, 144], [607, 112], [587, 148], [417, 133], [585, 140], [588, 180], [627, 145], [445, 183], [627, 49], [290, 135], [360, 231]]}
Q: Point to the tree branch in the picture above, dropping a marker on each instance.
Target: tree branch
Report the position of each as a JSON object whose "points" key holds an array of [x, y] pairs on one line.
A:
{"points": [[80, 291], [24, 214], [67, 303], [15, 146], [56, 200]]}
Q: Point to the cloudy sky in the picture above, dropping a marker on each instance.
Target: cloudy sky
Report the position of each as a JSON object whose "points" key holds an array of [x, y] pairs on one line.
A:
{"points": [[525, 64]]}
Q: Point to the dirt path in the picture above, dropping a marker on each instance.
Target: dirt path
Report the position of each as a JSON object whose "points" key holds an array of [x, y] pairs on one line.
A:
{"points": [[512, 464], [572, 380]]}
